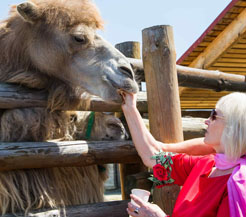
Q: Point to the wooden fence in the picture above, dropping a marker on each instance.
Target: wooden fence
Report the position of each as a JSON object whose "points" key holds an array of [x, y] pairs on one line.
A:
{"points": [[83, 153]]}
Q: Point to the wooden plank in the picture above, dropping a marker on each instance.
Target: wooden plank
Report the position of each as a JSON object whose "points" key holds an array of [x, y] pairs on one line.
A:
{"points": [[241, 3], [226, 21], [221, 43], [204, 94], [199, 103], [204, 106], [192, 127], [199, 48], [236, 73], [194, 53], [129, 49], [202, 91], [226, 69], [197, 97], [231, 15], [200, 107], [12, 96], [236, 51], [234, 56], [189, 58], [231, 60], [103, 209], [24, 155], [242, 40], [186, 63], [238, 45], [208, 38], [200, 99], [162, 85], [197, 78], [204, 44], [220, 27], [234, 65], [236, 9], [188, 96], [214, 33]]}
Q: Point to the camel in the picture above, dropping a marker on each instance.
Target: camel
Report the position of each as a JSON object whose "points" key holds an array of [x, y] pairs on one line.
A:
{"points": [[106, 126], [52, 45]]}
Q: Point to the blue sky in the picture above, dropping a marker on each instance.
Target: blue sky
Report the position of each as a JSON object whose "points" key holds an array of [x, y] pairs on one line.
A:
{"points": [[125, 19]]}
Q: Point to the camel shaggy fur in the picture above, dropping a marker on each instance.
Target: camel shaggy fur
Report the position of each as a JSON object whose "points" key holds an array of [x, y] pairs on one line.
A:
{"points": [[53, 45]]}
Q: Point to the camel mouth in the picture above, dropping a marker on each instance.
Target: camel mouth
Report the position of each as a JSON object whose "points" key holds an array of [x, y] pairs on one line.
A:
{"points": [[116, 97], [112, 83], [127, 87]]}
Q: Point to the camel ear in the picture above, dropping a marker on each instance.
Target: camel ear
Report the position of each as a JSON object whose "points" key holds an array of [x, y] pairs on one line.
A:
{"points": [[28, 11]]}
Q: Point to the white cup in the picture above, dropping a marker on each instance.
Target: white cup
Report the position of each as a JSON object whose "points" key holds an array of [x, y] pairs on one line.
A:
{"points": [[142, 194]]}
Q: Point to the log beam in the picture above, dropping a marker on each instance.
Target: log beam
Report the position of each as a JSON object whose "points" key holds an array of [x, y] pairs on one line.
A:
{"points": [[159, 59], [130, 49], [13, 96], [25, 155], [203, 79], [207, 79], [103, 209]]}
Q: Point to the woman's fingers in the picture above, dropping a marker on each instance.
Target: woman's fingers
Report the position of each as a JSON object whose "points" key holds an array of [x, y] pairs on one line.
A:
{"points": [[131, 209], [132, 213], [138, 200], [123, 95]]}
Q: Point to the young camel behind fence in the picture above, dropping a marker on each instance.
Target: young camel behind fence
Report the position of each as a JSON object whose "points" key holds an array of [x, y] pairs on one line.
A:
{"points": [[52, 45]]}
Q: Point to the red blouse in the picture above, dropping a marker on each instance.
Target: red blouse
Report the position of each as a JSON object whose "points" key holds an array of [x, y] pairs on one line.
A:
{"points": [[200, 196]]}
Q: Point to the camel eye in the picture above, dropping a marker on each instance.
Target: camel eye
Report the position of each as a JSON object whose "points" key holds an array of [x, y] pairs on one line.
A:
{"points": [[80, 39], [113, 126]]}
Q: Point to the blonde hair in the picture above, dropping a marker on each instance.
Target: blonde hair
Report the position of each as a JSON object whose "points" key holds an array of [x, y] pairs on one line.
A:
{"points": [[233, 107]]}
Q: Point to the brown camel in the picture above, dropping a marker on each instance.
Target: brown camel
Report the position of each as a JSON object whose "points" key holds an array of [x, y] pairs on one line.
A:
{"points": [[53, 45], [106, 126]]}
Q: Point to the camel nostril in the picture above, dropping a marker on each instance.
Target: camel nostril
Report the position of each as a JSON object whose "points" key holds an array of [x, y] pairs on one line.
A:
{"points": [[127, 71]]}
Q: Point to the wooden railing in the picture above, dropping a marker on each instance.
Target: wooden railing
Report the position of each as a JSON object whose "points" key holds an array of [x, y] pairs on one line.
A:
{"points": [[82, 153]]}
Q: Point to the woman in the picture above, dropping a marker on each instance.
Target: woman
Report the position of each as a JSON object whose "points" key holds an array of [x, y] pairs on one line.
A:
{"points": [[213, 185]]}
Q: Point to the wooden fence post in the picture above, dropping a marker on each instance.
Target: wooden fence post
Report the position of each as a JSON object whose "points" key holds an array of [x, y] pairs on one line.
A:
{"points": [[159, 59], [130, 49]]}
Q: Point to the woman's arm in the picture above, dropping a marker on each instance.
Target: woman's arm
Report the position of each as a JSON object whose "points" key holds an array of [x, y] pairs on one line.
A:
{"points": [[194, 146], [145, 143]]}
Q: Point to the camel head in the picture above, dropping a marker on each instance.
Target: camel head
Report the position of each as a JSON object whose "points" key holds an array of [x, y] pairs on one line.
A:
{"points": [[60, 40], [105, 127]]}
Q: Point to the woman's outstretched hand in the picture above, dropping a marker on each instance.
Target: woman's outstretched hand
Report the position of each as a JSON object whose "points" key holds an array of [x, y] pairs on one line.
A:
{"points": [[129, 100], [145, 209]]}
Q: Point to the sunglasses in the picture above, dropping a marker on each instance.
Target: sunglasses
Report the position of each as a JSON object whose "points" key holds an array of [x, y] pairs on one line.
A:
{"points": [[213, 116]]}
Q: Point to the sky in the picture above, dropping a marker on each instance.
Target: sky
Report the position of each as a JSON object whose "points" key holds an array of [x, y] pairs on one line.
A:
{"points": [[125, 19]]}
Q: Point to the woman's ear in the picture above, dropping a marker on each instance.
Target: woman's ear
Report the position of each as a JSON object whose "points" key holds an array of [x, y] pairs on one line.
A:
{"points": [[28, 11]]}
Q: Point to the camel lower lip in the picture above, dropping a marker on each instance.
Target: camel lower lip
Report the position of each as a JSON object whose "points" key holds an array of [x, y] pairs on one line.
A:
{"points": [[117, 86]]}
